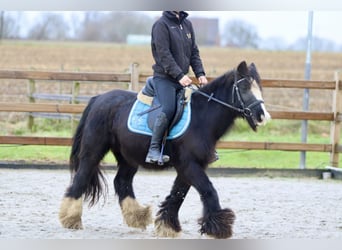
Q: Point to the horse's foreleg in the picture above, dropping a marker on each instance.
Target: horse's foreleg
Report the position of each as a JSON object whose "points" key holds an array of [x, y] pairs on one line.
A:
{"points": [[134, 214], [167, 223], [216, 222]]}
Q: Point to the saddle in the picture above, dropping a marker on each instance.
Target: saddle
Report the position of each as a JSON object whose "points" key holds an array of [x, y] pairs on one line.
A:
{"points": [[147, 107], [156, 107]]}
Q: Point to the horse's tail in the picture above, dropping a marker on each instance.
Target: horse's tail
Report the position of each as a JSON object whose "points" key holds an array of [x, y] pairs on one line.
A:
{"points": [[95, 188], [76, 144]]}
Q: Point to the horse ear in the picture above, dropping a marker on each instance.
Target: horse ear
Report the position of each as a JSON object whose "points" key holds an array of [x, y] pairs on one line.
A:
{"points": [[252, 69], [243, 68], [254, 72], [252, 66]]}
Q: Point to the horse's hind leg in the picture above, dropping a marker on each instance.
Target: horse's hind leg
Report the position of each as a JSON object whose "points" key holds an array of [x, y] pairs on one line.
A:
{"points": [[87, 180], [70, 213], [134, 214], [167, 223]]}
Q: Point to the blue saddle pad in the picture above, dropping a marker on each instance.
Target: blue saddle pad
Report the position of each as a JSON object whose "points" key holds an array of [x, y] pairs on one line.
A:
{"points": [[138, 123]]}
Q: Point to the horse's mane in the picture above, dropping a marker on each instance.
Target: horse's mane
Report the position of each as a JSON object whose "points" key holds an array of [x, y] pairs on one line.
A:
{"points": [[220, 82], [229, 77]]}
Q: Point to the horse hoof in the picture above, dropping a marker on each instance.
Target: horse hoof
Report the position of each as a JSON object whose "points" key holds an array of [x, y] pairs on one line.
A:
{"points": [[136, 215], [70, 213], [218, 224], [163, 229]]}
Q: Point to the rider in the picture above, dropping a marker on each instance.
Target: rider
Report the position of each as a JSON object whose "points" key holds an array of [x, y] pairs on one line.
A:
{"points": [[174, 50]]}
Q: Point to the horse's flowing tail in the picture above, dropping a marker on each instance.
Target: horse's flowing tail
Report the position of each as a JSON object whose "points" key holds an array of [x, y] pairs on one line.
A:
{"points": [[95, 183], [76, 144]]}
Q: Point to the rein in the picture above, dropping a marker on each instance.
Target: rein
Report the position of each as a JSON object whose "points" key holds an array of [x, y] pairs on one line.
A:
{"points": [[246, 111]]}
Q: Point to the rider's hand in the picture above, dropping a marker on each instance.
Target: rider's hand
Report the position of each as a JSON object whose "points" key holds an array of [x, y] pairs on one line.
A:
{"points": [[202, 80], [185, 81]]}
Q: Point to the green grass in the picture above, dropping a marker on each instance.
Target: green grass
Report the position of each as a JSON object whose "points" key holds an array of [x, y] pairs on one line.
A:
{"points": [[228, 158], [34, 154], [269, 159], [276, 131]]}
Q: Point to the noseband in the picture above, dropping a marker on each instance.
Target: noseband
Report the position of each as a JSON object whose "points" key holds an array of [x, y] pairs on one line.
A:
{"points": [[243, 109]]}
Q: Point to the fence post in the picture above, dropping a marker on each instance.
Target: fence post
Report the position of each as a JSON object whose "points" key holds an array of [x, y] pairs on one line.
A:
{"points": [[134, 77], [336, 124], [75, 92], [31, 91]]}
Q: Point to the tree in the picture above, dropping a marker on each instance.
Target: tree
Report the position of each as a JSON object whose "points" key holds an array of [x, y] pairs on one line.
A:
{"points": [[121, 24], [318, 44], [51, 26], [273, 43], [114, 26], [9, 27], [238, 33]]}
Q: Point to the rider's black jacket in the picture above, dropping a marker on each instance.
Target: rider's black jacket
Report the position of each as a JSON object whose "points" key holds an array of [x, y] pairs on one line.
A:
{"points": [[174, 48]]}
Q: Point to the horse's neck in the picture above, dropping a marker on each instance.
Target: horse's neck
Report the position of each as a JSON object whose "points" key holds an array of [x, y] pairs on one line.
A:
{"points": [[215, 117]]}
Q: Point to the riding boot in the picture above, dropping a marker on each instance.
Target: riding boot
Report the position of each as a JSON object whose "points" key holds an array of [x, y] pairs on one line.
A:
{"points": [[158, 132]]}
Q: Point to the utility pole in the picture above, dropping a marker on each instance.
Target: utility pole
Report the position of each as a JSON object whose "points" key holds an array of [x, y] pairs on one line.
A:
{"points": [[306, 91]]}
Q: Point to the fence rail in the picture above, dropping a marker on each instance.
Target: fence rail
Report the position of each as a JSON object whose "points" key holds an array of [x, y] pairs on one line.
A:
{"points": [[78, 108], [134, 80], [64, 76], [59, 141]]}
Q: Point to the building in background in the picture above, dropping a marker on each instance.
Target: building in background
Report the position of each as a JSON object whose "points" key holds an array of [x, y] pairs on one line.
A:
{"points": [[206, 30]]}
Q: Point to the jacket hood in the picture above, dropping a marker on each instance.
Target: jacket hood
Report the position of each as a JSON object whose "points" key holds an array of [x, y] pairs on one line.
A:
{"points": [[171, 15]]}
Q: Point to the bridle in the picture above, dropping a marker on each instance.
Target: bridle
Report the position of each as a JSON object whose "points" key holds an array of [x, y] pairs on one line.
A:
{"points": [[243, 109]]}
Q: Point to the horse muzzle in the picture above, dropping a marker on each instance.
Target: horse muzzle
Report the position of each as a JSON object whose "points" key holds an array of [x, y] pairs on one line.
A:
{"points": [[258, 116], [265, 117]]}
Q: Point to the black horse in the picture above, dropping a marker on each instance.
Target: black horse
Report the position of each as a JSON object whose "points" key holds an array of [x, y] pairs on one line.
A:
{"points": [[103, 127]]}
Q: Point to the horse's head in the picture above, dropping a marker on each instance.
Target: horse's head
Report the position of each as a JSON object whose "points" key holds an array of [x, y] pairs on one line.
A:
{"points": [[247, 93]]}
